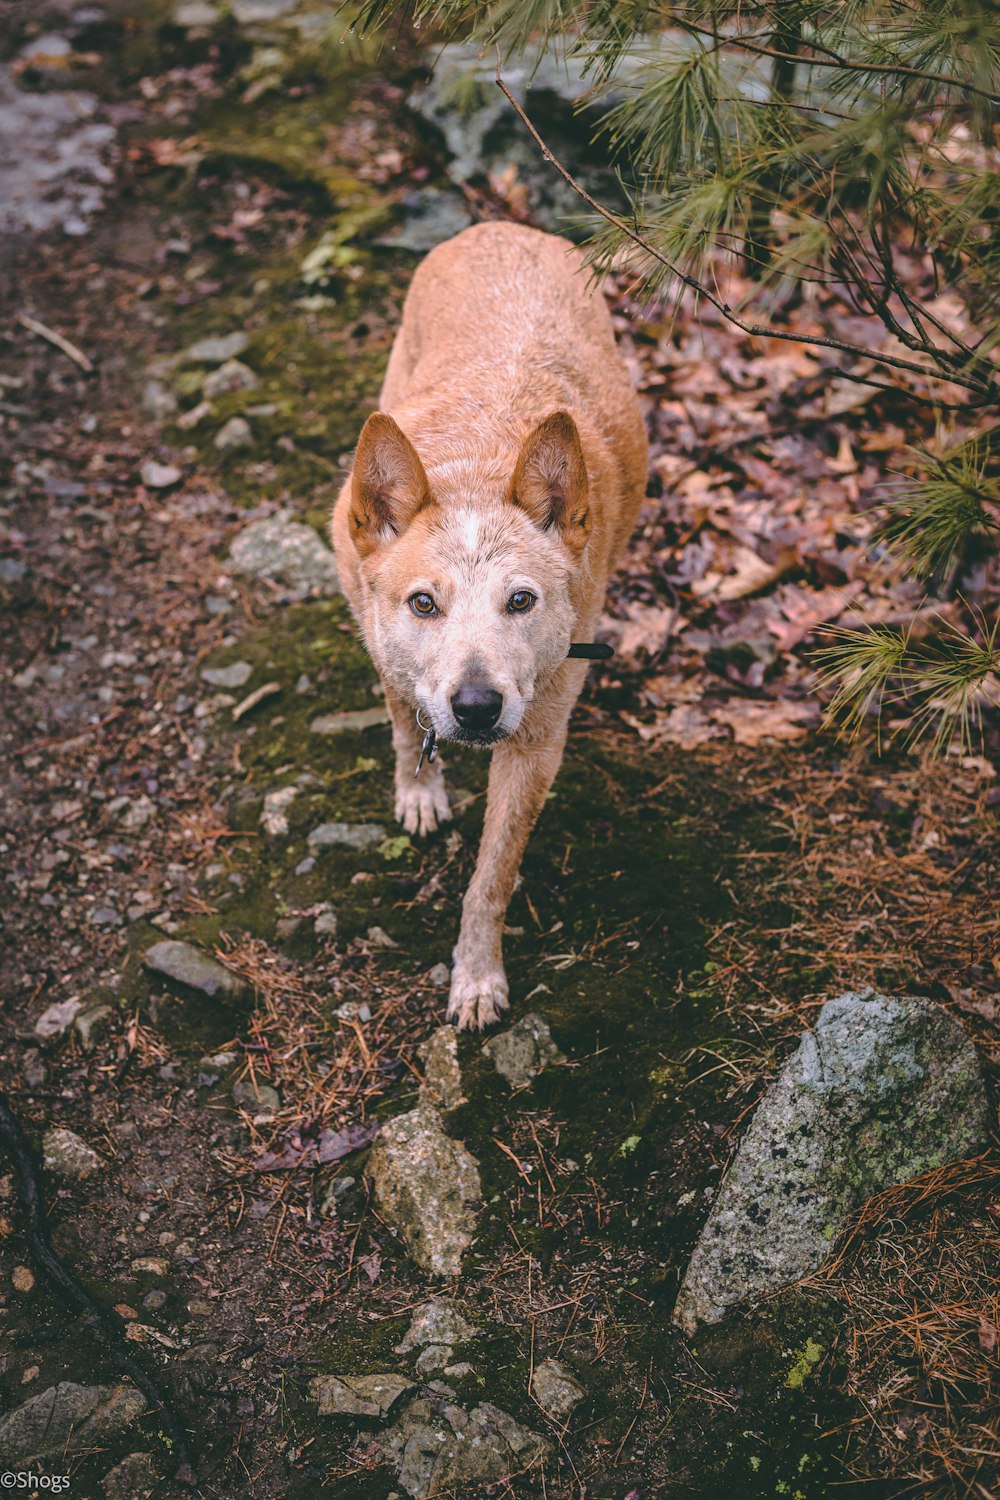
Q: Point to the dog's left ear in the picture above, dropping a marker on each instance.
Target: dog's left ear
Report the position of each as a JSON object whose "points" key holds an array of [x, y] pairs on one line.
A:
{"points": [[550, 480]]}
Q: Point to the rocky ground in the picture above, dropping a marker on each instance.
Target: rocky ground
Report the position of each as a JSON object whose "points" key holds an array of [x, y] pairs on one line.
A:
{"points": [[317, 1247]]}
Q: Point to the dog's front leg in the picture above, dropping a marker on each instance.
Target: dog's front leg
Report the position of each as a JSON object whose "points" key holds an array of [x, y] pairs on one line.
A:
{"points": [[520, 777], [421, 801]]}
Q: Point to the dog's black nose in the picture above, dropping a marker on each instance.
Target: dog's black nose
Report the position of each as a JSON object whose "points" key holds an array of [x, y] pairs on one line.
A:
{"points": [[476, 706]]}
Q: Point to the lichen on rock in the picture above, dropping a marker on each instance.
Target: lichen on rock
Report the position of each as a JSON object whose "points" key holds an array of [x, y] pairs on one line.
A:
{"points": [[426, 1188], [442, 1083], [437, 1447], [68, 1417], [880, 1091], [523, 1051], [357, 1395]]}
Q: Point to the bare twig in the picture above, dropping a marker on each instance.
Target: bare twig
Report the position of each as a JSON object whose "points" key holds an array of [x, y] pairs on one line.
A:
{"points": [[57, 341]]}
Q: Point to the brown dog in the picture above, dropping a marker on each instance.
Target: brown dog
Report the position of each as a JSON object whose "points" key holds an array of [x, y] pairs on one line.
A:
{"points": [[489, 500]]}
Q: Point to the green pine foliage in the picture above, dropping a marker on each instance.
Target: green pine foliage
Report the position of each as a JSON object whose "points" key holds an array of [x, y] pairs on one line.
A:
{"points": [[820, 142]]}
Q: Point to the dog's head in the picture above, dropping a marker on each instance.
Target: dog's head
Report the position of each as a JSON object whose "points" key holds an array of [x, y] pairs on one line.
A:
{"points": [[469, 605]]}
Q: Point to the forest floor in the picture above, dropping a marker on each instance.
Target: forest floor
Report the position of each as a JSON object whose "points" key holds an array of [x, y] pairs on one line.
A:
{"points": [[713, 866]]}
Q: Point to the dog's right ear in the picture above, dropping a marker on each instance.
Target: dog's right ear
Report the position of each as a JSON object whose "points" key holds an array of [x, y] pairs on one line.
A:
{"points": [[388, 485]]}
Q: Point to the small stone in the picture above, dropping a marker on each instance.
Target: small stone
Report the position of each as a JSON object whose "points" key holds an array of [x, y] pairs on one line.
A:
{"points": [[216, 349], [353, 1010], [880, 1091], [155, 1300], [523, 1051], [150, 1265], [234, 435], [434, 1359], [233, 676], [105, 917], [358, 836], [68, 1418], [48, 51], [325, 924], [22, 1279], [357, 1395], [379, 938], [255, 1097], [305, 865], [66, 1155], [287, 551], [135, 1478], [199, 1308], [426, 1186], [442, 1083], [350, 721], [136, 813], [231, 376], [440, 976], [556, 1389], [157, 476], [437, 1447], [158, 401], [439, 1321], [33, 1068], [188, 966], [12, 570], [56, 1020], [274, 814], [337, 1189], [91, 1024]]}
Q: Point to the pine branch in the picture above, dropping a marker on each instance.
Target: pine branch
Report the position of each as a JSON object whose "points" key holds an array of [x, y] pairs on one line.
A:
{"points": [[987, 389], [831, 59]]}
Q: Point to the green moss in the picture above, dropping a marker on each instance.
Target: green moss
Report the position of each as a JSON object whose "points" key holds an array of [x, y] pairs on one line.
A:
{"points": [[803, 1365]]}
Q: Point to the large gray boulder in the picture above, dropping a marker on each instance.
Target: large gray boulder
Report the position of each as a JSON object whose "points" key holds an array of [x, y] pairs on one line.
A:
{"points": [[68, 1417], [426, 1188], [880, 1091], [484, 137], [437, 1448]]}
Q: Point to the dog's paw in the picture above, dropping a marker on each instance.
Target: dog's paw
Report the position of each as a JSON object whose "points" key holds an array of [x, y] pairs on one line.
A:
{"points": [[422, 805], [477, 999]]}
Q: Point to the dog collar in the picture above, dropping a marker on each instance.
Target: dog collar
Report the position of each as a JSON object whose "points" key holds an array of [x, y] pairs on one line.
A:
{"points": [[592, 650]]}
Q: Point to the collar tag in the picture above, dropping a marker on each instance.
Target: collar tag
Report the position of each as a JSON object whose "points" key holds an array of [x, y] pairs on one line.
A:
{"points": [[429, 749]]}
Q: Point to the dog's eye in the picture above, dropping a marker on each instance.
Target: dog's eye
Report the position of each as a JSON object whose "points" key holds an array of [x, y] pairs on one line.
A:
{"points": [[422, 604], [521, 602]]}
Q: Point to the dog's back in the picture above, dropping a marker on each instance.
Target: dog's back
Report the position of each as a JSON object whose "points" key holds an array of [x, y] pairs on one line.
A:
{"points": [[502, 324]]}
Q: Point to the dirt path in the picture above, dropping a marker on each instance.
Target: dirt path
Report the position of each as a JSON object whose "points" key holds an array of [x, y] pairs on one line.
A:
{"points": [[682, 914]]}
